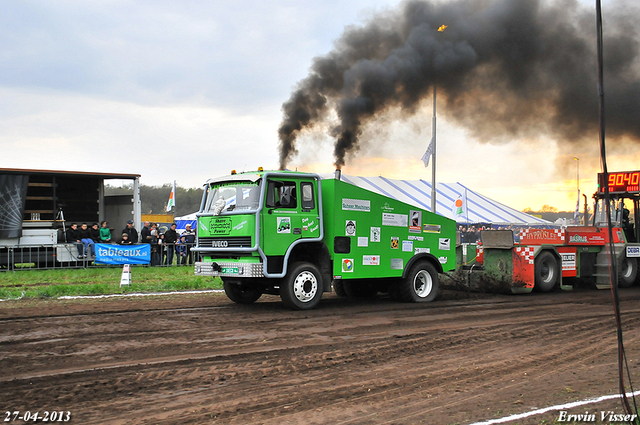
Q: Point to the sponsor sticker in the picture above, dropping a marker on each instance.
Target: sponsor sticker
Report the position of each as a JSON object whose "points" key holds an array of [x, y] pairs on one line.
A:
{"points": [[370, 260], [443, 260], [397, 220], [350, 228], [416, 219], [422, 250], [396, 264], [356, 205], [347, 265], [415, 238], [633, 251], [395, 242], [444, 244], [239, 225], [220, 226], [374, 234], [407, 246], [431, 228], [363, 241], [284, 225], [568, 261]]}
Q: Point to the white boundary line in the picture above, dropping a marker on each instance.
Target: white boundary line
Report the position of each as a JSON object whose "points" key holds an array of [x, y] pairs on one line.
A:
{"points": [[134, 294], [550, 408]]}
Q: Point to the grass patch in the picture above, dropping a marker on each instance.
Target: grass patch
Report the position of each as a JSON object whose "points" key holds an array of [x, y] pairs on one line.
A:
{"points": [[100, 281]]}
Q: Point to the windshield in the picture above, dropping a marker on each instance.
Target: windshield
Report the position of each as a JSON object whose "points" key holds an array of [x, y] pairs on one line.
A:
{"points": [[232, 196], [618, 213]]}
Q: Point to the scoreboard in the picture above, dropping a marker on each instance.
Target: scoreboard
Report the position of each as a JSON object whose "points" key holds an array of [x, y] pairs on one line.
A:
{"points": [[620, 182]]}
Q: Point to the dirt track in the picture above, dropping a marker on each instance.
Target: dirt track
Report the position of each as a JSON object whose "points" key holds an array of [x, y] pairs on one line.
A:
{"points": [[203, 359]]}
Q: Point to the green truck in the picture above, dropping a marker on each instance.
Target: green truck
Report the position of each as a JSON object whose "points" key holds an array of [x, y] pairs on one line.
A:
{"points": [[297, 235]]}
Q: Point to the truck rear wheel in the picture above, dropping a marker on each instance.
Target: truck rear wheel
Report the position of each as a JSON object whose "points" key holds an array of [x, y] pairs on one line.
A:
{"points": [[240, 293], [420, 285], [546, 272], [338, 288], [301, 289], [627, 272]]}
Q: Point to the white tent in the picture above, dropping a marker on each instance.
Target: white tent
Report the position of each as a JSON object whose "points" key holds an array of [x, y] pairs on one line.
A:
{"points": [[479, 208]]}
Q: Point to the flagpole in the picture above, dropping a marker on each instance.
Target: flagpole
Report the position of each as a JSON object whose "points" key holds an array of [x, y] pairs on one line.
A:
{"points": [[433, 154]]}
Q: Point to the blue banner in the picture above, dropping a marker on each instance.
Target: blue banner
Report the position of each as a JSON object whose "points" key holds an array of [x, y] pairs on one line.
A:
{"points": [[123, 254]]}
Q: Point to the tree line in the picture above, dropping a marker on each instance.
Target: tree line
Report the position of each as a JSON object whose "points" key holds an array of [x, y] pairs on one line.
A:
{"points": [[154, 198]]}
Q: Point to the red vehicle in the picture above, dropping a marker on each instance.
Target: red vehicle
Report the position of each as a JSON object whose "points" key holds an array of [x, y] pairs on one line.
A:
{"points": [[543, 258]]}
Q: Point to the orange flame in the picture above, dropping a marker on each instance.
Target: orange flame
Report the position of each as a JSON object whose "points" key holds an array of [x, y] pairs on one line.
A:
{"points": [[442, 28]]}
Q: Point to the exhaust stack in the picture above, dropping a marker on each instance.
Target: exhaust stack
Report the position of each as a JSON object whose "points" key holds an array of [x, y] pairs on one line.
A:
{"points": [[338, 174]]}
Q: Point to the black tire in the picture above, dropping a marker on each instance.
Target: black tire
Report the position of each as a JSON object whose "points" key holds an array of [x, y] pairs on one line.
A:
{"points": [[627, 272], [239, 292], [301, 289], [338, 288], [546, 272], [421, 284]]}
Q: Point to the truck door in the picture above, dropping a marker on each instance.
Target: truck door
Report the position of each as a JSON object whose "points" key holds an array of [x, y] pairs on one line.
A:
{"points": [[291, 213]]}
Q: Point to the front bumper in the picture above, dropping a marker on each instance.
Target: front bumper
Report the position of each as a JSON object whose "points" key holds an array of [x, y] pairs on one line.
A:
{"points": [[214, 268]]}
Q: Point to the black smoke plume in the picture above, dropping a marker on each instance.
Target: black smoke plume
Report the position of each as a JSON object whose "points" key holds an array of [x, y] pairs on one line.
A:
{"points": [[503, 68]]}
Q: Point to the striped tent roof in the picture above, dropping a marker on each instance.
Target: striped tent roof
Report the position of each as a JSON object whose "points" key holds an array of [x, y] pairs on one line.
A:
{"points": [[418, 192]]}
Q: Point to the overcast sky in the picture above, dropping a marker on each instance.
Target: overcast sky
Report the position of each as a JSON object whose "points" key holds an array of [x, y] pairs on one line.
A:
{"points": [[187, 90]]}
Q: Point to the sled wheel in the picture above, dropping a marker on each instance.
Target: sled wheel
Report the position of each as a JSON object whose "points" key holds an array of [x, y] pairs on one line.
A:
{"points": [[240, 293], [546, 272], [627, 272], [420, 285], [301, 289]]}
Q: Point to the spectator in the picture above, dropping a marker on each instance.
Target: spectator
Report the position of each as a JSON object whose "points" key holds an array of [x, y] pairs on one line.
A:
{"points": [[95, 236], [153, 242], [73, 236], [105, 233], [190, 240], [85, 237], [145, 233], [170, 239], [181, 251], [131, 232], [161, 247], [124, 240]]}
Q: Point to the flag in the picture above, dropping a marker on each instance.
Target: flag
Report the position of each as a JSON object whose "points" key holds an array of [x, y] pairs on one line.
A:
{"points": [[576, 214], [460, 206], [427, 154], [172, 198]]}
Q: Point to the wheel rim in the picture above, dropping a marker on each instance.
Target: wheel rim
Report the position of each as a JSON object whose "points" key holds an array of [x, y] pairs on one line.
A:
{"points": [[546, 272], [626, 269], [423, 284], [305, 286]]}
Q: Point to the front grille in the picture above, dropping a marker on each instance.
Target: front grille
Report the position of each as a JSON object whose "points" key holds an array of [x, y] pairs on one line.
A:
{"points": [[222, 242]]}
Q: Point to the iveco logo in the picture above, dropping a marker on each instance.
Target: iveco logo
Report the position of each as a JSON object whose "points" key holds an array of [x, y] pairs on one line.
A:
{"points": [[219, 244]]}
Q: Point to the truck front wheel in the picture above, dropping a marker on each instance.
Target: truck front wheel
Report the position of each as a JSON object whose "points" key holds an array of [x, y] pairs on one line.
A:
{"points": [[420, 285], [301, 289], [240, 293]]}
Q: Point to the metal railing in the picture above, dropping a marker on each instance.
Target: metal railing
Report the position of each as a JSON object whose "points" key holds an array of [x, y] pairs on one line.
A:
{"points": [[68, 256]]}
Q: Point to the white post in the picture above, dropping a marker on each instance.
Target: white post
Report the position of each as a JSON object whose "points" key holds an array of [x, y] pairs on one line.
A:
{"points": [[433, 154]]}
